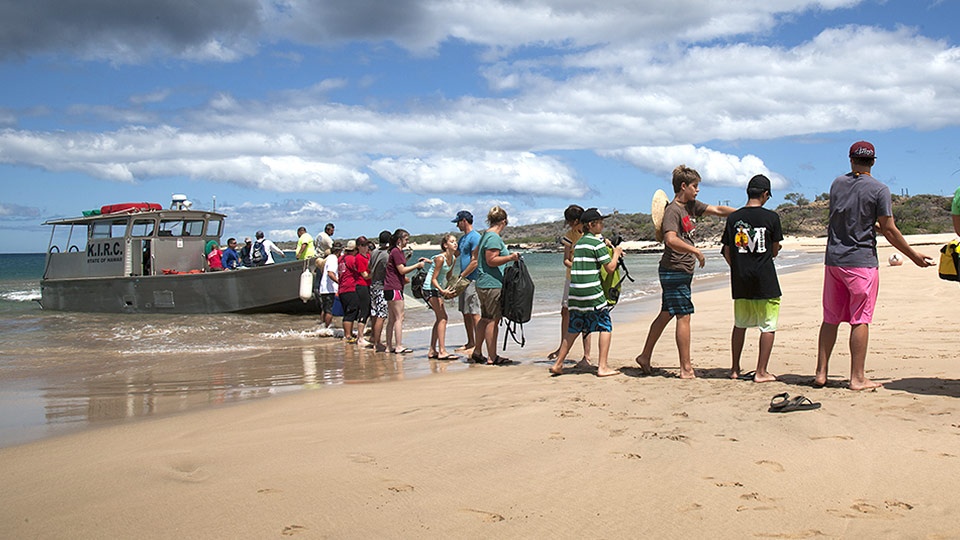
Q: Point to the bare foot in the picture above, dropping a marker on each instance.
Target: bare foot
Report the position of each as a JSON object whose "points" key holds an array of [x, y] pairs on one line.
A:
{"points": [[464, 348], [607, 372], [819, 381], [865, 384], [688, 374], [734, 373], [644, 363], [556, 371], [764, 377]]}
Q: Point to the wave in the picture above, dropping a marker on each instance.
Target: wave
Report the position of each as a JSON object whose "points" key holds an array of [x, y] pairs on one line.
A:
{"points": [[30, 295]]}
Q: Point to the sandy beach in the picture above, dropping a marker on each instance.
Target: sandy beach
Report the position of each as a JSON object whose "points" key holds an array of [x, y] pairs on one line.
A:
{"points": [[512, 452]]}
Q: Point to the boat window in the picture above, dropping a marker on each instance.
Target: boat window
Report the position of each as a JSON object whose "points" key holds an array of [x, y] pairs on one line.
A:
{"points": [[143, 227], [193, 227], [108, 229], [171, 227], [213, 227]]}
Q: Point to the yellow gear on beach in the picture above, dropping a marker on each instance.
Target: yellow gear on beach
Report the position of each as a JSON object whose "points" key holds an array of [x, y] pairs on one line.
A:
{"points": [[950, 260]]}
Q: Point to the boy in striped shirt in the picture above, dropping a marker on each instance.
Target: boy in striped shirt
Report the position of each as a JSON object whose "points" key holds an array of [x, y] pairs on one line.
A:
{"points": [[586, 299]]}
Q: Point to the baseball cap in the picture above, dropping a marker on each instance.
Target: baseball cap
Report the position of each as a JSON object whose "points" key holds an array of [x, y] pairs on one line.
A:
{"points": [[759, 183], [351, 245], [862, 149], [463, 214], [247, 240], [590, 214]]}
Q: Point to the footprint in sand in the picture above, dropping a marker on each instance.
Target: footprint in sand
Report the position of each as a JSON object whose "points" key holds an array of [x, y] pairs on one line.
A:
{"points": [[809, 533], [865, 509], [362, 458], [400, 488], [488, 517], [771, 465], [291, 530], [556, 436], [838, 437], [187, 471], [268, 491], [568, 414]]}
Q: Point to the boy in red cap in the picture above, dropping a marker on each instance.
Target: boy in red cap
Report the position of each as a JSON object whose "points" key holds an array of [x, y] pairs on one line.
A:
{"points": [[851, 281]]}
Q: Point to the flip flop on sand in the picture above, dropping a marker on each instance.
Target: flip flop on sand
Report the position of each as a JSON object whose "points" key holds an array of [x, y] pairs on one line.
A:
{"points": [[402, 351], [477, 359], [748, 376], [499, 361], [799, 403], [448, 357], [778, 401]]}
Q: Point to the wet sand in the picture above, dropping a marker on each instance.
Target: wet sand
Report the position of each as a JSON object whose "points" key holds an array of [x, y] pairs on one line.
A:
{"points": [[513, 452]]}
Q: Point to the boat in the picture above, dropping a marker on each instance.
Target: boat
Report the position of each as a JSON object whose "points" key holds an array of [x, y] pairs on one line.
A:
{"points": [[143, 258]]}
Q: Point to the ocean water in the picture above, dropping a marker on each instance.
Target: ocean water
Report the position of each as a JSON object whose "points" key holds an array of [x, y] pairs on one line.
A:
{"points": [[63, 371]]}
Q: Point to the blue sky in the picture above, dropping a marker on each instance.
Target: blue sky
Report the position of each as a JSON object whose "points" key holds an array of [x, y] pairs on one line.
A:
{"points": [[378, 115]]}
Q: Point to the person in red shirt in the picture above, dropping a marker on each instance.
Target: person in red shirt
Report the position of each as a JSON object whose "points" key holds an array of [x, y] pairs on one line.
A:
{"points": [[359, 266]]}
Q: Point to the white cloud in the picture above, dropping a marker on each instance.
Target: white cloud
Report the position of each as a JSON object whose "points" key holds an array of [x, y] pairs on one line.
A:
{"points": [[715, 168], [493, 172]]}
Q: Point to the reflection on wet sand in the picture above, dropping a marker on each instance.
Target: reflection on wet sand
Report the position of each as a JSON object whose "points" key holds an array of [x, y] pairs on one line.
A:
{"points": [[208, 380]]}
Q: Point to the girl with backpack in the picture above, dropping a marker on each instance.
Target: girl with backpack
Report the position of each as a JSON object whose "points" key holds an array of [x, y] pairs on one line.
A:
{"points": [[491, 253], [439, 268]]}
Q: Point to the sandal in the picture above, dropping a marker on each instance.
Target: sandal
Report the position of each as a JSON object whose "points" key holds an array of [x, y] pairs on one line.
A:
{"points": [[499, 361], [448, 357], [799, 403], [477, 359], [402, 351]]}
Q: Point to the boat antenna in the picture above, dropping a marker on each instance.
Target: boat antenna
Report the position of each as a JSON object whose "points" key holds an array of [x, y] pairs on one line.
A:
{"points": [[214, 203]]}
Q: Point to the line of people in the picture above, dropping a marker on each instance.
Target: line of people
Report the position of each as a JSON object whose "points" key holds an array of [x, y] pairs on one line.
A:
{"points": [[860, 208], [367, 280]]}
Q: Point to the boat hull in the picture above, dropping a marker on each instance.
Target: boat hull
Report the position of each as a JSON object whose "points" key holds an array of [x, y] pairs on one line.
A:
{"points": [[266, 289]]}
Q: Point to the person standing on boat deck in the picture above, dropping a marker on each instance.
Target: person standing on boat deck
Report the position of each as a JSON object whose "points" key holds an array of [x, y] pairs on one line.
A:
{"points": [[269, 247], [304, 245], [230, 259], [214, 256], [329, 282], [468, 302], [246, 252], [324, 241], [378, 304]]}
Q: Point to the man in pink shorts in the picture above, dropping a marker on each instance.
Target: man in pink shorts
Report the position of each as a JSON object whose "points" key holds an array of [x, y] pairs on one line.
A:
{"points": [[852, 278]]}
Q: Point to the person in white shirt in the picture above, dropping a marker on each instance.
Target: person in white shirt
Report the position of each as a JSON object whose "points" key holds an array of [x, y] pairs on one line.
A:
{"points": [[269, 247], [324, 240], [330, 283]]}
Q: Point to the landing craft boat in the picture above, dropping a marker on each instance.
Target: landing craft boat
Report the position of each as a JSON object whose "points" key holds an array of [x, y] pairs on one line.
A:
{"points": [[142, 258]]}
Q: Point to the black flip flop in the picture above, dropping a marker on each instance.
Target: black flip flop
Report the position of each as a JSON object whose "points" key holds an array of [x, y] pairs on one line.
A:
{"points": [[778, 402], [748, 376], [799, 403]]}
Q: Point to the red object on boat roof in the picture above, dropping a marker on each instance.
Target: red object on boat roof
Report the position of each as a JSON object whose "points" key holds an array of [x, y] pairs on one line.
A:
{"points": [[129, 208]]}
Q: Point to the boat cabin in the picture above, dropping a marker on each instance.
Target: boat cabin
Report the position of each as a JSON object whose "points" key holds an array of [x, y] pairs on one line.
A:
{"points": [[132, 239]]}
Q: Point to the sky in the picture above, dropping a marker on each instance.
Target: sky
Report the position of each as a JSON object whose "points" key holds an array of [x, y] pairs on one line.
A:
{"points": [[385, 114]]}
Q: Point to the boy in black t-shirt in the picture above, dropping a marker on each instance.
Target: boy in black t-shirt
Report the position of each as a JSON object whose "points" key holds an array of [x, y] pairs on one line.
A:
{"points": [[751, 240]]}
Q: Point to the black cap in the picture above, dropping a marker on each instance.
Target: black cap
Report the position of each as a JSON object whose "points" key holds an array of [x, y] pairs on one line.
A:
{"points": [[758, 184], [463, 214], [590, 214]]}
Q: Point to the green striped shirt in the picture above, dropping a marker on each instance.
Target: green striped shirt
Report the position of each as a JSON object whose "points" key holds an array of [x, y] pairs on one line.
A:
{"points": [[586, 293]]}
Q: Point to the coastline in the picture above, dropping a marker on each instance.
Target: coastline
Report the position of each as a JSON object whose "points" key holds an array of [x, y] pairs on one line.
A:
{"points": [[486, 451]]}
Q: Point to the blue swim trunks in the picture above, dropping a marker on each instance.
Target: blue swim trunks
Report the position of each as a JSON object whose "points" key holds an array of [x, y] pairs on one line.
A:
{"points": [[677, 297], [588, 322]]}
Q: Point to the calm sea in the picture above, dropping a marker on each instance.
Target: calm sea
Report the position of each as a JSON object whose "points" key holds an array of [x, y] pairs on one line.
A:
{"points": [[65, 371]]}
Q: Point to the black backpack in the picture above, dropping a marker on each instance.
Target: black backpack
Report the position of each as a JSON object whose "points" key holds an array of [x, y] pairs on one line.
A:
{"points": [[516, 300], [259, 255], [416, 283]]}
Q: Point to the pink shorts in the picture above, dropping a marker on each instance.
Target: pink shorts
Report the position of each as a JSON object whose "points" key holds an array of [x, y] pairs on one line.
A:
{"points": [[850, 294]]}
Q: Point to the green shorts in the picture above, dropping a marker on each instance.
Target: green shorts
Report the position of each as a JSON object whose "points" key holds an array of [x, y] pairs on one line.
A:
{"points": [[763, 313]]}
